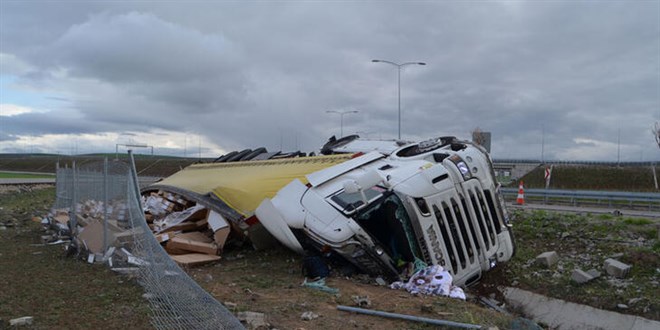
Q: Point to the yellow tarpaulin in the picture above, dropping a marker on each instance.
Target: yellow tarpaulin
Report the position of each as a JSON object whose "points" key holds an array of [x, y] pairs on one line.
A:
{"points": [[244, 185]]}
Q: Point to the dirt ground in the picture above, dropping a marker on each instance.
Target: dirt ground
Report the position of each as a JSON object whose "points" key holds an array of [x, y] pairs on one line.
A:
{"points": [[63, 292], [270, 282]]}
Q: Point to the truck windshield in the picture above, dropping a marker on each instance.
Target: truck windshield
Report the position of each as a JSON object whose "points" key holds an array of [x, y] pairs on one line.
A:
{"points": [[349, 202], [387, 221]]}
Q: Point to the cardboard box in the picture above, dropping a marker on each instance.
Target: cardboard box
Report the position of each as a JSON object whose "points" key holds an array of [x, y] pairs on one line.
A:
{"points": [[196, 236], [161, 238], [220, 236], [174, 251], [192, 245], [220, 227], [127, 236], [184, 226], [216, 221], [62, 218], [92, 236], [194, 259]]}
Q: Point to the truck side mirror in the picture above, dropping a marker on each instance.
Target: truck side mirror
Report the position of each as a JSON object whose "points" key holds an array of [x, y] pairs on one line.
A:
{"points": [[352, 187], [369, 179]]}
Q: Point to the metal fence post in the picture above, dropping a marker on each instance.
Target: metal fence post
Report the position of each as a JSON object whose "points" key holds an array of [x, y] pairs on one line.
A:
{"points": [[73, 212], [105, 204]]}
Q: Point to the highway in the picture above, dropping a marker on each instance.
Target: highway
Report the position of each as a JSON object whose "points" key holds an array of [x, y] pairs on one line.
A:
{"points": [[27, 181]]}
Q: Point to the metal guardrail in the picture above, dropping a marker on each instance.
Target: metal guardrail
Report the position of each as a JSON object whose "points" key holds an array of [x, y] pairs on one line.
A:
{"points": [[589, 197], [572, 162]]}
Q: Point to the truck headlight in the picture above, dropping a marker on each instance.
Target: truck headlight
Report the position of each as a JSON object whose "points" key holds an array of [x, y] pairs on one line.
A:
{"points": [[462, 166], [464, 169]]}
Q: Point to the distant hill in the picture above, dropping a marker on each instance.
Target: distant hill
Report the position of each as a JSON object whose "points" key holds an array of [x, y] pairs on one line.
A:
{"points": [[593, 177], [146, 165], [572, 177]]}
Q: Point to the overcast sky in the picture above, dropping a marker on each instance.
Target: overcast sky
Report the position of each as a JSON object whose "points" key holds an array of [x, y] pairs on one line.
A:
{"points": [[560, 80]]}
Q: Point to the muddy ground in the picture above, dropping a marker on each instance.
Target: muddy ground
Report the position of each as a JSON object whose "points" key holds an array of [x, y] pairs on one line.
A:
{"points": [[62, 292]]}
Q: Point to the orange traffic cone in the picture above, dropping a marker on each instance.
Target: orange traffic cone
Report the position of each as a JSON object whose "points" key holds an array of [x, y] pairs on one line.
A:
{"points": [[521, 194]]}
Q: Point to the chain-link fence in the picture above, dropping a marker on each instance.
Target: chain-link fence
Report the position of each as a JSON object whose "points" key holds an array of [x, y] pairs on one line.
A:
{"points": [[63, 187], [107, 223]]}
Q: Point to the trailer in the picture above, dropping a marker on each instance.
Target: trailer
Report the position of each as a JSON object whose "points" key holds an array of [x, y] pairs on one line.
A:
{"points": [[384, 206]]}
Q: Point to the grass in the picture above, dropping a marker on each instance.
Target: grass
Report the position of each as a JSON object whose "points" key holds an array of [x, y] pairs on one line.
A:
{"points": [[59, 292], [158, 166], [593, 177], [11, 175], [584, 242]]}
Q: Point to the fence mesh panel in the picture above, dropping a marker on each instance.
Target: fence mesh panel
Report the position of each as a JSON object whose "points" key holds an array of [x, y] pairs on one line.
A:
{"points": [[107, 221], [63, 187]]}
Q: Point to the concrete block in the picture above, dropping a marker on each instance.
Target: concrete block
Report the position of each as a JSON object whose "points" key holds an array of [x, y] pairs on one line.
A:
{"points": [[616, 268], [547, 259], [581, 276], [594, 273]]}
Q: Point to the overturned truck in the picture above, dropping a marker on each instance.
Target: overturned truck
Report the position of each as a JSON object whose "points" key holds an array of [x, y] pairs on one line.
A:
{"points": [[381, 205]]}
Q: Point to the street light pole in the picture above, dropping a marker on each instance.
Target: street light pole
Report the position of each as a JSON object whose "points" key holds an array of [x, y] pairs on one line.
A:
{"points": [[399, 66], [341, 115]]}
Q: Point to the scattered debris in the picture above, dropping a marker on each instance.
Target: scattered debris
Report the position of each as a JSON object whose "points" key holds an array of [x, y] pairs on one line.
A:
{"points": [[253, 320], [362, 301], [25, 320], [547, 259], [579, 276], [594, 273], [616, 268], [126, 270], [494, 304], [194, 259], [408, 317], [230, 305], [190, 232], [308, 316], [432, 280], [319, 285], [380, 281]]}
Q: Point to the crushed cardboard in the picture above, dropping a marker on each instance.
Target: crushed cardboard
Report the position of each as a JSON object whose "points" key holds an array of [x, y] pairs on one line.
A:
{"points": [[193, 245], [194, 259], [191, 233]]}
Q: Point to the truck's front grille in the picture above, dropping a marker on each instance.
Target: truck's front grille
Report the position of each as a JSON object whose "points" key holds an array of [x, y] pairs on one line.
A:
{"points": [[468, 227]]}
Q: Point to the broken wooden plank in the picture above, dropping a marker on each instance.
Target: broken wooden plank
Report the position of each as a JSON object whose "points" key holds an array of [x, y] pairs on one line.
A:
{"points": [[196, 236], [193, 246], [194, 259]]}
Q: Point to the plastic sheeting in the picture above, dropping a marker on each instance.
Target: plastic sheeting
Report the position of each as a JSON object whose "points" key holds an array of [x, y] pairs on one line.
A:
{"points": [[432, 280]]}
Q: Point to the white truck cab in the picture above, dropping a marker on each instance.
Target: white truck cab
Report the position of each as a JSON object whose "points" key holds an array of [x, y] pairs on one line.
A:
{"points": [[435, 202]]}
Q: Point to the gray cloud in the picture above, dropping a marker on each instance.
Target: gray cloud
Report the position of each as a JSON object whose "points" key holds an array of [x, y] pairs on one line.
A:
{"points": [[252, 74]]}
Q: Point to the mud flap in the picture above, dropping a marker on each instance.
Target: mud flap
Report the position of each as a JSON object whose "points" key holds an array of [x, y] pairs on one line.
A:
{"points": [[272, 220]]}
